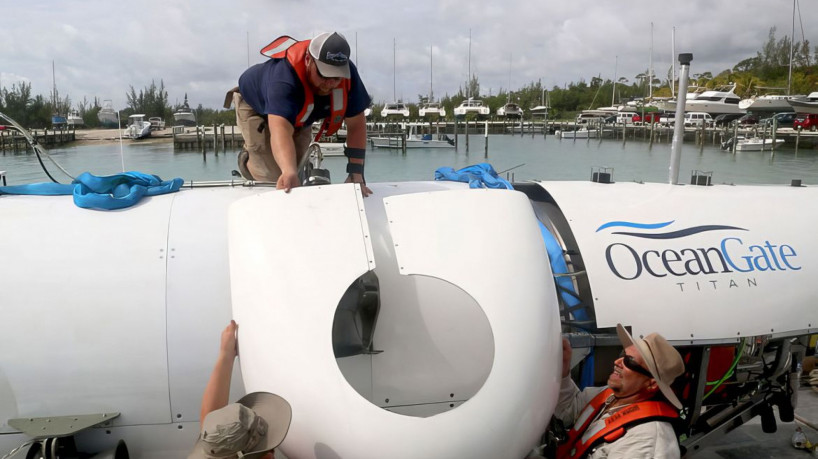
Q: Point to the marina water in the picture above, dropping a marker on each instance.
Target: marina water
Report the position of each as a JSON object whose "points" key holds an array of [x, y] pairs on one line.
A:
{"points": [[527, 158]]}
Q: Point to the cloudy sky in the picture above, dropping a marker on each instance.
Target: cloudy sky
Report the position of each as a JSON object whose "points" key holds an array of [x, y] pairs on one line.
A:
{"points": [[102, 47]]}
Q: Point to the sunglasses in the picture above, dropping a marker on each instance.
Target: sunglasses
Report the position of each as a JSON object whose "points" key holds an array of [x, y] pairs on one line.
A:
{"points": [[631, 364]]}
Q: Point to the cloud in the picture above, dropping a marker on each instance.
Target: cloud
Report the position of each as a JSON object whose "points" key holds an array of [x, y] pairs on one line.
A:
{"points": [[101, 48]]}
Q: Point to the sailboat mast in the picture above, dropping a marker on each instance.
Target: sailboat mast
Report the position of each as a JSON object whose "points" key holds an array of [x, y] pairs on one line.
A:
{"points": [[650, 69], [613, 95], [54, 89], [792, 43], [468, 84], [431, 75], [508, 100], [673, 61], [394, 91]]}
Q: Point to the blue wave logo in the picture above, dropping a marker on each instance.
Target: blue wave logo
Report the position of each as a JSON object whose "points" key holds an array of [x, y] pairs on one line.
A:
{"points": [[667, 235]]}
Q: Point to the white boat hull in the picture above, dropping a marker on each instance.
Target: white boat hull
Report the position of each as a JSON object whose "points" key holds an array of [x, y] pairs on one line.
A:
{"points": [[757, 144], [579, 134]]}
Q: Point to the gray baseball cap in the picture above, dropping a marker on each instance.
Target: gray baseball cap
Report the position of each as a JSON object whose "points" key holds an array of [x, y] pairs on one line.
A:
{"points": [[253, 426], [331, 54]]}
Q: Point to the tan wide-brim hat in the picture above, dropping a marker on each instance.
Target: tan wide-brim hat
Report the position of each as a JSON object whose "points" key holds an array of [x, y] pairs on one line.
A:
{"points": [[254, 426], [663, 360]]}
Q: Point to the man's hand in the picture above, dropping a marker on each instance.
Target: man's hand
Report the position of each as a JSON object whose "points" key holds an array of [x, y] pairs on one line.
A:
{"points": [[358, 178], [287, 181], [566, 357]]}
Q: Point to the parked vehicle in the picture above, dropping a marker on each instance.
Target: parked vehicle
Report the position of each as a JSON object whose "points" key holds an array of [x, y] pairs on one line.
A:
{"points": [[748, 120], [621, 118], [698, 119], [782, 119], [652, 117], [726, 118], [806, 121]]}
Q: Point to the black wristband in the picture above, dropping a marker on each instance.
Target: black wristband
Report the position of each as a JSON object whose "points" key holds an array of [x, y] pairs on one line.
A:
{"points": [[354, 153], [354, 168]]}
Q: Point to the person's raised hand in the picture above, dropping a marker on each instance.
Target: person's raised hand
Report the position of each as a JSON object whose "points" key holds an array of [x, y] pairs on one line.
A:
{"points": [[229, 343]]}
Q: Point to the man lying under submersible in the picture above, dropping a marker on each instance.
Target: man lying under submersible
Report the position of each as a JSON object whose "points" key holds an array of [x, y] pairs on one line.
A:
{"points": [[631, 417]]}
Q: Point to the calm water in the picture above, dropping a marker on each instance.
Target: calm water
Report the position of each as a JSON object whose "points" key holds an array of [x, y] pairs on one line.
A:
{"points": [[546, 159]]}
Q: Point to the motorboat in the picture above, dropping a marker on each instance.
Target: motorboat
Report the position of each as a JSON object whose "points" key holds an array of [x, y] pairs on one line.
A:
{"points": [[74, 119], [539, 110], [138, 127], [716, 102], [108, 118], [510, 110], [771, 103], [808, 105], [583, 133], [413, 139], [432, 109], [395, 109], [184, 116], [471, 105], [751, 143]]}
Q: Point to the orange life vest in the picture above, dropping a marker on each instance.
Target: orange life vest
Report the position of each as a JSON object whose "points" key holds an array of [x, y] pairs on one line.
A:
{"points": [[587, 433], [295, 52]]}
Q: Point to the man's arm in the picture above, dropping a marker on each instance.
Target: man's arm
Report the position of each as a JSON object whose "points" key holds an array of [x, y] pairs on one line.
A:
{"points": [[356, 138], [217, 391], [281, 141]]}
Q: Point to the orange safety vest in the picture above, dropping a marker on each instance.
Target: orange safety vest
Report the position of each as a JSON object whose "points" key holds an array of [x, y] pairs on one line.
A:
{"points": [[586, 434], [295, 52]]}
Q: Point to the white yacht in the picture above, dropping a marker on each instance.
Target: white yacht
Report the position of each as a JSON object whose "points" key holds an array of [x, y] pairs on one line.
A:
{"points": [[807, 104], [510, 110], [107, 116], [432, 109], [395, 109], [184, 116], [716, 102], [773, 103], [74, 119], [471, 106]]}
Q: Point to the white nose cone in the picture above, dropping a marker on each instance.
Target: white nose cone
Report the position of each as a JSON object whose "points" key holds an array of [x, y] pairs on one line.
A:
{"points": [[468, 324]]}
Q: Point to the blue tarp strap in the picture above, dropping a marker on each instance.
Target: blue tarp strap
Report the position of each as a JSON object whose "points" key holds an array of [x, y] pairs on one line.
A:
{"points": [[104, 193], [477, 176], [482, 175]]}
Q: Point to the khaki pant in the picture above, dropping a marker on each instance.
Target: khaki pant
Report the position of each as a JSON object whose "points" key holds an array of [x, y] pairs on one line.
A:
{"points": [[256, 161]]}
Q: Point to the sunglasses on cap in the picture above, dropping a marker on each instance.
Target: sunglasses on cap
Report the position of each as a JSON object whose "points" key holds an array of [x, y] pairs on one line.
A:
{"points": [[631, 364]]}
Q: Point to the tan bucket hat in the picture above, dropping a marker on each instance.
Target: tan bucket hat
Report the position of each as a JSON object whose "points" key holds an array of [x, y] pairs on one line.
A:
{"points": [[663, 360], [249, 428]]}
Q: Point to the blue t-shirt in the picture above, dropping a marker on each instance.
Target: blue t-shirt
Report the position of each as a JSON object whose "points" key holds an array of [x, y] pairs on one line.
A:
{"points": [[273, 88]]}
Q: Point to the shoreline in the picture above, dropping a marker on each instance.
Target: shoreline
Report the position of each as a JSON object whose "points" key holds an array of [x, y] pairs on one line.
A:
{"points": [[85, 137]]}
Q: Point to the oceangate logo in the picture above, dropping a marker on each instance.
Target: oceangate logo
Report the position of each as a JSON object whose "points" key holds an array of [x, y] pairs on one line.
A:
{"points": [[731, 249]]}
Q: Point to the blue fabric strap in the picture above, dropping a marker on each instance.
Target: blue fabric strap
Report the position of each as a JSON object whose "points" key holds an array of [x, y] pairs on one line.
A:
{"points": [[480, 175], [104, 193]]}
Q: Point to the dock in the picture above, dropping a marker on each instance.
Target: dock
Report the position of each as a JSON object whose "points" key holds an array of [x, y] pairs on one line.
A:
{"points": [[12, 140], [217, 138]]}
